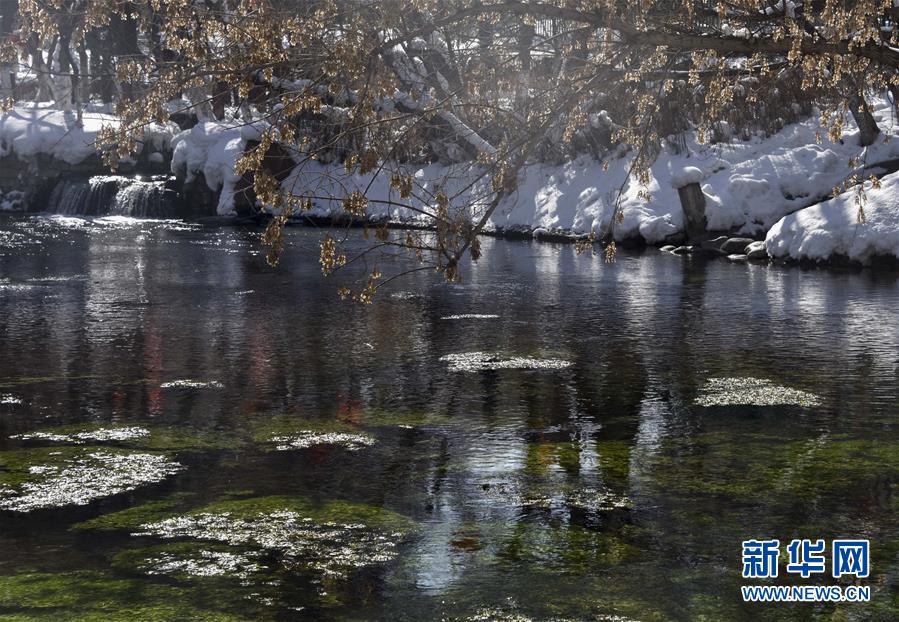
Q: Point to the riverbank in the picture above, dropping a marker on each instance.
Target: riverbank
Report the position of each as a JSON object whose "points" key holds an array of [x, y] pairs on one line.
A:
{"points": [[777, 190]]}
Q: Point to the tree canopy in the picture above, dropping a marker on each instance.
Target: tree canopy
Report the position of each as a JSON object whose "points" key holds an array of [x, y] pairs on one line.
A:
{"points": [[487, 85]]}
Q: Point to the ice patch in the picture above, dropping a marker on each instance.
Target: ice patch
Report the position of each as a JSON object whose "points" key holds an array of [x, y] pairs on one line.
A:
{"points": [[99, 435], [192, 384], [470, 316], [482, 361], [331, 549], [752, 392], [306, 439], [204, 564]]}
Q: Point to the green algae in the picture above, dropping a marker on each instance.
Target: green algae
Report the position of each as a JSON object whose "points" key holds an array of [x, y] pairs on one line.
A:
{"points": [[87, 595], [333, 510], [133, 517], [150, 437]]}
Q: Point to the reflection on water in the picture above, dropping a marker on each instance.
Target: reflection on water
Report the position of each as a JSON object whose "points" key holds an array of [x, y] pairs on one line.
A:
{"points": [[582, 440]]}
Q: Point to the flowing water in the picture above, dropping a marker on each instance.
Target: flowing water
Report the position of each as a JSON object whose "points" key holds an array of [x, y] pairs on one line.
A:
{"points": [[112, 195], [186, 433]]}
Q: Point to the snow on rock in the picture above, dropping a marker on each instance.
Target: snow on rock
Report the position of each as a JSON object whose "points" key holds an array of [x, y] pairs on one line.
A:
{"points": [[686, 176], [832, 228], [212, 148]]}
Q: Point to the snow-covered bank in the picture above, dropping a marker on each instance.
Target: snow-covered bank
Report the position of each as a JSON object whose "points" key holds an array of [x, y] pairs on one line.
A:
{"points": [[832, 228], [748, 185], [29, 131]]}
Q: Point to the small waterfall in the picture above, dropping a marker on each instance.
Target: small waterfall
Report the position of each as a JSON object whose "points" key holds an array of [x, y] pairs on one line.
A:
{"points": [[113, 195]]}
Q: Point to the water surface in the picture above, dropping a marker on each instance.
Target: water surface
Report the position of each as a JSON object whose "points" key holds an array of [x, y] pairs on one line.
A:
{"points": [[554, 438]]}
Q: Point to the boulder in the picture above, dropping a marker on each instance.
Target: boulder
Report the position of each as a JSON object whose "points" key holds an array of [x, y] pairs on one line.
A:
{"points": [[683, 250], [756, 252], [736, 245], [737, 258], [713, 244], [667, 248]]}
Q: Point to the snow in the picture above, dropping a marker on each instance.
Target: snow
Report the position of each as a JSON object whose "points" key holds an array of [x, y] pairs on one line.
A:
{"points": [[688, 175], [212, 148], [748, 186], [832, 228], [30, 130]]}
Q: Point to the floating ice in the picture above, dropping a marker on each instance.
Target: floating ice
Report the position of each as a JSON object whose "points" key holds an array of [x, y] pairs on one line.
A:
{"points": [[752, 392], [192, 384], [480, 361], [85, 478], [203, 564], [98, 435], [470, 316], [332, 549], [308, 438], [9, 399]]}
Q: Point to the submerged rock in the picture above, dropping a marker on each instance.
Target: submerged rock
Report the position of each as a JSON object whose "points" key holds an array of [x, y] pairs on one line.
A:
{"points": [[84, 477], [482, 361], [752, 392]]}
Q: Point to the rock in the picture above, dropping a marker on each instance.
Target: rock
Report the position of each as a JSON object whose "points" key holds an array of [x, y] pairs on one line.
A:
{"points": [[737, 258], [675, 239], [736, 245], [709, 252], [668, 248], [714, 244], [756, 252], [683, 250]]}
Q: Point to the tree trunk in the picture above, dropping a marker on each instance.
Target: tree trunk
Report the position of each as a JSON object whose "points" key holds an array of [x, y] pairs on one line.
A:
{"points": [[867, 126]]}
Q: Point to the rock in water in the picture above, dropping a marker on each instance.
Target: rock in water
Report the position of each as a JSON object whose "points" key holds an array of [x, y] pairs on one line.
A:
{"points": [[713, 244], [668, 248], [736, 245], [737, 258], [757, 252], [683, 250]]}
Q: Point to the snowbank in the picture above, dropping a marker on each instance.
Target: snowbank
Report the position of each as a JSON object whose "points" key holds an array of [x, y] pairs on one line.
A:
{"points": [[212, 148], [832, 228], [32, 130], [749, 185]]}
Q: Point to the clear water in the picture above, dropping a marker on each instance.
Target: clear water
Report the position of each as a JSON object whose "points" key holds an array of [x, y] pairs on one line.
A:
{"points": [[595, 488]]}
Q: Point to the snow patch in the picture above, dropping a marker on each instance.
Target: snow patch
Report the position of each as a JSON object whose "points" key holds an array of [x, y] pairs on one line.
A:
{"points": [[833, 227]]}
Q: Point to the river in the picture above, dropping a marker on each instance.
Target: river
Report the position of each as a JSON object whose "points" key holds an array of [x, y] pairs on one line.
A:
{"points": [[598, 448]]}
